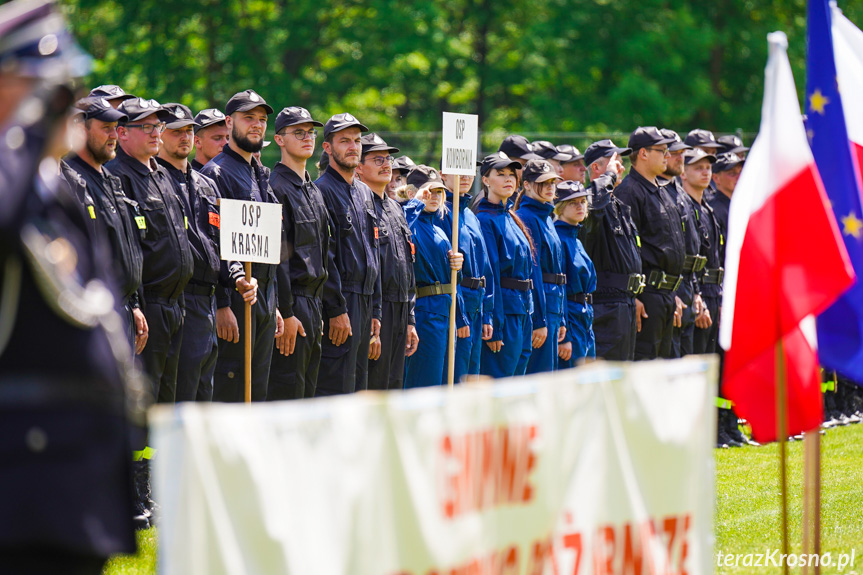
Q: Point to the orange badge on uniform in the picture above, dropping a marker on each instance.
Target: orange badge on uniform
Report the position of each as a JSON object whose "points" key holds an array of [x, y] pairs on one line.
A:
{"points": [[376, 232], [214, 219], [413, 249]]}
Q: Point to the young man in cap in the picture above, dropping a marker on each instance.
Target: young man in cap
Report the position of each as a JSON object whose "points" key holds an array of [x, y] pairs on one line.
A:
{"points": [[387, 362], [306, 260], [351, 328], [733, 144], [660, 228], [611, 241], [547, 151], [114, 95], [211, 135], [239, 176], [401, 166], [726, 172], [200, 199], [574, 168]]}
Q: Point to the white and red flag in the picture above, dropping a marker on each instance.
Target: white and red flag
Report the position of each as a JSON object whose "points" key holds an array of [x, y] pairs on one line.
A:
{"points": [[785, 262]]}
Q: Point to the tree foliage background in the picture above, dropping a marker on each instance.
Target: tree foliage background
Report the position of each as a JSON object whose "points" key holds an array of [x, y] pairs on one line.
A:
{"points": [[550, 67]]}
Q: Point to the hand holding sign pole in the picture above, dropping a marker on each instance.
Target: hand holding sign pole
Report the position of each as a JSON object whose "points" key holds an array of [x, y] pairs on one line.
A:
{"points": [[458, 157], [250, 232]]}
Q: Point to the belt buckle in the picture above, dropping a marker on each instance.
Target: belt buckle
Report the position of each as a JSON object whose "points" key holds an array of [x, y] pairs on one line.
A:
{"points": [[677, 283], [482, 282], [720, 274], [529, 284], [636, 283], [438, 290]]}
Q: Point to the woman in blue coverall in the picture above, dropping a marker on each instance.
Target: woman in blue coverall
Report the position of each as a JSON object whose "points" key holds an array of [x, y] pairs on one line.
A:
{"points": [[510, 255], [571, 209], [473, 322], [432, 270], [549, 279]]}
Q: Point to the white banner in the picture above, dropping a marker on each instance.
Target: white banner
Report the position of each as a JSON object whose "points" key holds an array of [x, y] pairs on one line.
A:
{"points": [[460, 143], [598, 470]]}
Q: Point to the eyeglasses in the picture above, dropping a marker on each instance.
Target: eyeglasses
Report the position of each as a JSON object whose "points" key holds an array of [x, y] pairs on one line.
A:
{"points": [[379, 160], [148, 128], [303, 134], [663, 151]]}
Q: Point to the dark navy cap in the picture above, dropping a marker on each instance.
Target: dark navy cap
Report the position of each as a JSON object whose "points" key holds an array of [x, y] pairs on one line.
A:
{"points": [[208, 117], [539, 171], [94, 107], [111, 92], [516, 146], [547, 151], [645, 136], [731, 143], [403, 164], [571, 151], [693, 155], [245, 101], [425, 176], [677, 144], [726, 161], [702, 138], [341, 122], [293, 116], [182, 116], [139, 108], [498, 161], [374, 143], [603, 149], [570, 190]]}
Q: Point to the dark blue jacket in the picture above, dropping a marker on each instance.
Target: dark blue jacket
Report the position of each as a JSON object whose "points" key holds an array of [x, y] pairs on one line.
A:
{"points": [[548, 298], [580, 273], [432, 262]]}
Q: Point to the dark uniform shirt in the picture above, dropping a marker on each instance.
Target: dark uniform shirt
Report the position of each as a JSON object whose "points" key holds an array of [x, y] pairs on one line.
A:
{"points": [[167, 253], [397, 253], [306, 257], [658, 222], [118, 217], [201, 205], [712, 240], [609, 236], [196, 165], [355, 239], [720, 204], [237, 179], [76, 184]]}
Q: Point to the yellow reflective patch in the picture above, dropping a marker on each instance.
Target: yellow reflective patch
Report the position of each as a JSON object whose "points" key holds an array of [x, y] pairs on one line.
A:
{"points": [[142, 223], [721, 240], [92, 212], [638, 240], [186, 220]]}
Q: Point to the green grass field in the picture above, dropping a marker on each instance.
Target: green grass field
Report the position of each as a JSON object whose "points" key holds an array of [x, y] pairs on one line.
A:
{"points": [[747, 505]]}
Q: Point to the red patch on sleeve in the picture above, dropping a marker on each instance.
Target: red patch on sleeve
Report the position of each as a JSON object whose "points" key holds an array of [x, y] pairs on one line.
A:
{"points": [[376, 232], [214, 219]]}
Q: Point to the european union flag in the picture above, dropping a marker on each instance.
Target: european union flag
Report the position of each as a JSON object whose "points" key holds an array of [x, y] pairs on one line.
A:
{"points": [[840, 328]]}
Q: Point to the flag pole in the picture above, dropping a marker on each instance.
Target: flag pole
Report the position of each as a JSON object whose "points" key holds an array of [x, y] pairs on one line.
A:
{"points": [[453, 279], [812, 498], [782, 436], [248, 350]]}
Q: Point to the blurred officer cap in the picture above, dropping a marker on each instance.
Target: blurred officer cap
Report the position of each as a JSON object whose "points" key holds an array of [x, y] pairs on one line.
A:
{"points": [[208, 117], [341, 122], [678, 144], [570, 190], [182, 116], [139, 108], [571, 152], [516, 146], [403, 164], [539, 171], [644, 136], [293, 116], [731, 143], [425, 176], [702, 138], [110, 92], [697, 154], [603, 149], [498, 161], [726, 161], [98, 108], [374, 143], [547, 151], [245, 101]]}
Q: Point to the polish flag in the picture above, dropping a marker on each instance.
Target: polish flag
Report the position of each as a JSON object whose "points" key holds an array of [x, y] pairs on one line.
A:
{"points": [[785, 262]]}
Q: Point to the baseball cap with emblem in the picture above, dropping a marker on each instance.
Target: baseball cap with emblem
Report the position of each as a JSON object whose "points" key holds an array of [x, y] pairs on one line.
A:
{"points": [[374, 143], [139, 108], [341, 122], [111, 92], [726, 161], [539, 171], [245, 101], [570, 190], [731, 143], [208, 117], [97, 108], [497, 161], [182, 116], [571, 151], [547, 151], [644, 136], [516, 146], [702, 138], [294, 116], [603, 149], [693, 155], [425, 176], [677, 144], [403, 164]]}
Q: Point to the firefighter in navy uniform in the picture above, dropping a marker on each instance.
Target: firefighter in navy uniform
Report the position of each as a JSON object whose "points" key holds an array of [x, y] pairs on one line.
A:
{"points": [[397, 257], [240, 176], [349, 330], [64, 428], [306, 259], [211, 135], [612, 243]]}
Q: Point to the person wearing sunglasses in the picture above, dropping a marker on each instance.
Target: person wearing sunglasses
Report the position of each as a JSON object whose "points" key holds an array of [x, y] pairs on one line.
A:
{"points": [[663, 249]]}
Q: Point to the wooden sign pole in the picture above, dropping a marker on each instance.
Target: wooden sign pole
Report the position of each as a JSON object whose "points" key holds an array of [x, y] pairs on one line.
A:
{"points": [[782, 437], [453, 281], [248, 353]]}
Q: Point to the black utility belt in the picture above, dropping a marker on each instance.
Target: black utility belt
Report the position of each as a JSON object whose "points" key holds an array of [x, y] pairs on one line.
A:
{"points": [[520, 285], [713, 276], [200, 288], [582, 298], [473, 283], [658, 279], [632, 284], [160, 298], [435, 289], [557, 279], [694, 263]]}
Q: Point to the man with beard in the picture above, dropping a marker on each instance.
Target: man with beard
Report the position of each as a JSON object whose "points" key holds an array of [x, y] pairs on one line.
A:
{"points": [[116, 213], [387, 363], [211, 135], [239, 176], [200, 201], [345, 349], [306, 259]]}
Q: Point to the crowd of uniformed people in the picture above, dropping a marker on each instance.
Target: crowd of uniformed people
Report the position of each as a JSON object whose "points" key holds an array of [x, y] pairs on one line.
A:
{"points": [[562, 257]]}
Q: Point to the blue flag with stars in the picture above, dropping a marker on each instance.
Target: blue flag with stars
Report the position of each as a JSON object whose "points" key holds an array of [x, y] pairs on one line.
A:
{"points": [[840, 327]]}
